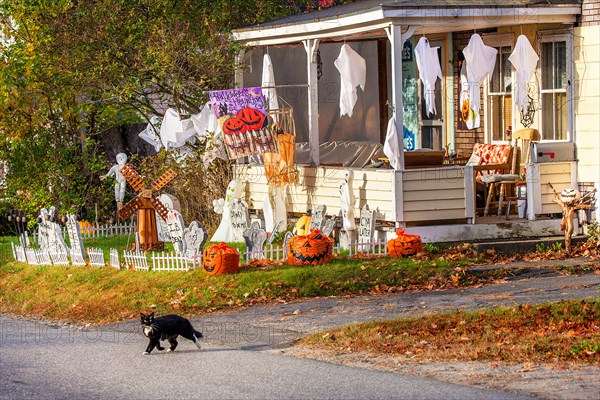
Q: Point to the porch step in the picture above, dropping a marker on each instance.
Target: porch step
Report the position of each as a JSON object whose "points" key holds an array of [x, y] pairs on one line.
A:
{"points": [[524, 245]]}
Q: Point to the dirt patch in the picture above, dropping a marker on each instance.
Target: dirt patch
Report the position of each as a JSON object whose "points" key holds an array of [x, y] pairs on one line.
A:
{"points": [[544, 381]]}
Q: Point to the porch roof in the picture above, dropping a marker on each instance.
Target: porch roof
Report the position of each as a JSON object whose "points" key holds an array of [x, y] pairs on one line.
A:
{"points": [[372, 17]]}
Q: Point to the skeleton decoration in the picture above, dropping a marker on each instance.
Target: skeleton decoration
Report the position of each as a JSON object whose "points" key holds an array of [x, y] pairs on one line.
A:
{"points": [[120, 183]]}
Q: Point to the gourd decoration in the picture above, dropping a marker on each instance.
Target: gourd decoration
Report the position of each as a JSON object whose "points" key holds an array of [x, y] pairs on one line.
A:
{"points": [[312, 249], [251, 118], [302, 225], [218, 259], [404, 245]]}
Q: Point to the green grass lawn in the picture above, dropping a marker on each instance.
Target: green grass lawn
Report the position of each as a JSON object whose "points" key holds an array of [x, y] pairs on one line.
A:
{"points": [[103, 294]]}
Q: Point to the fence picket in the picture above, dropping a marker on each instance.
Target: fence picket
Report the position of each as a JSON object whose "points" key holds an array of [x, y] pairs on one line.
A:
{"points": [[96, 256]]}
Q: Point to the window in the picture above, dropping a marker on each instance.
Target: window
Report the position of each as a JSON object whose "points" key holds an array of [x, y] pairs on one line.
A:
{"points": [[555, 87], [499, 97]]}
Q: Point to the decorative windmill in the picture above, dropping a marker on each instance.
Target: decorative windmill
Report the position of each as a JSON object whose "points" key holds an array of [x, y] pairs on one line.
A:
{"points": [[145, 204]]}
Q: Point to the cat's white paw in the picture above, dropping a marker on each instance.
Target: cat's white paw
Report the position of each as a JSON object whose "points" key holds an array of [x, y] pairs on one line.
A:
{"points": [[198, 344], [145, 353], [169, 350]]}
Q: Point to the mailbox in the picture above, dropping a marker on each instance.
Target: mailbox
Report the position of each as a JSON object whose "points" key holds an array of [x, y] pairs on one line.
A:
{"points": [[552, 152]]}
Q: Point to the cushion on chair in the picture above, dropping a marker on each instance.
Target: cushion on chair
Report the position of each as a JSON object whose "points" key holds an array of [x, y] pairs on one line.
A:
{"points": [[493, 178]]}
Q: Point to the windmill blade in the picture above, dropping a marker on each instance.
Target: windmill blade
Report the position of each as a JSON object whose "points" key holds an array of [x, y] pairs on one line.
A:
{"points": [[130, 208], [163, 180], [160, 208], [132, 177]]}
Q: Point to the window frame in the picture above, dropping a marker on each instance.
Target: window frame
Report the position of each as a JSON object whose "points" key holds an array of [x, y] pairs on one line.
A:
{"points": [[566, 36]]}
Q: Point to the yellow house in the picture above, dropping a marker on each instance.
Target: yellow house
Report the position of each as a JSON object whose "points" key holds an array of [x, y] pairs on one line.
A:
{"points": [[432, 190]]}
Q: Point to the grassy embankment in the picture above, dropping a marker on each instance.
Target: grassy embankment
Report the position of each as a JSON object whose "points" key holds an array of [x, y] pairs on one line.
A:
{"points": [[567, 331]]}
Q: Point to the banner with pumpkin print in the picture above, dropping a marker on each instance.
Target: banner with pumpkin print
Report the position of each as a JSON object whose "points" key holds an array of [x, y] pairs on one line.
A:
{"points": [[242, 119]]}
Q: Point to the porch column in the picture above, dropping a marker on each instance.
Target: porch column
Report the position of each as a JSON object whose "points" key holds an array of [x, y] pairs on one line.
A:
{"points": [[397, 41], [311, 46]]}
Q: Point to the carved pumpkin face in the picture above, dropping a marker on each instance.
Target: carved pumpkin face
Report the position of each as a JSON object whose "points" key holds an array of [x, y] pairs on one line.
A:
{"points": [[233, 126], [404, 245], [313, 249], [218, 259], [252, 118], [465, 110]]}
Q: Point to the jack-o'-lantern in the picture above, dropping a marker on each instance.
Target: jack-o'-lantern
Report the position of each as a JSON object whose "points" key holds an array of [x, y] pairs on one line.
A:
{"points": [[465, 110], [312, 249], [218, 259], [252, 118], [233, 126], [404, 245]]}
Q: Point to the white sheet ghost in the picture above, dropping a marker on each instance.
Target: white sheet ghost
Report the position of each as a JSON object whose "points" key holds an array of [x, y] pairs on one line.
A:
{"points": [[480, 65], [224, 232], [205, 122], [428, 64], [268, 82], [524, 59], [151, 133], [391, 146], [353, 73], [175, 132], [348, 200], [268, 213]]}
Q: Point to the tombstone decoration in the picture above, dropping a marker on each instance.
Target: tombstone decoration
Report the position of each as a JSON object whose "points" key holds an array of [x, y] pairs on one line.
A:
{"points": [[275, 231], [238, 219], [255, 238], [194, 237], [318, 215], [50, 234], [171, 203], [77, 248], [329, 226], [286, 239], [367, 225], [176, 225], [280, 208]]}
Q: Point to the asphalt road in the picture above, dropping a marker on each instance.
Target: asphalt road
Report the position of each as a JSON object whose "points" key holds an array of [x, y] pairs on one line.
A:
{"points": [[39, 361]]}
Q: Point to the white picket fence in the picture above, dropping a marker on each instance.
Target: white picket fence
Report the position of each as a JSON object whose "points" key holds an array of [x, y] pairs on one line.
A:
{"points": [[279, 254], [96, 257], [114, 259], [137, 259], [100, 231], [59, 258], [174, 262]]}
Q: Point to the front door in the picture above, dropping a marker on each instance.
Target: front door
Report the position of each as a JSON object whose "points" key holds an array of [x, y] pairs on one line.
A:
{"points": [[431, 126]]}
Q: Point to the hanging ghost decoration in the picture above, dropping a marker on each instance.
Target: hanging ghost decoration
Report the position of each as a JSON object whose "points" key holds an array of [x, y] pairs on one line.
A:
{"points": [[524, 59], [480, 65], [428, 64], [391, 146], [353, 73], [175, 132], [268, 85]]}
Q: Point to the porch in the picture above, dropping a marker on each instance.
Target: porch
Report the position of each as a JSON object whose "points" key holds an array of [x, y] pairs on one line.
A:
{"points": [[437, 203]]}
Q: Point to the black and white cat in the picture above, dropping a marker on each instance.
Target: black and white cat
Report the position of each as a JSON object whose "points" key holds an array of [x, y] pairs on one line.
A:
{"points": [[167, 327]]}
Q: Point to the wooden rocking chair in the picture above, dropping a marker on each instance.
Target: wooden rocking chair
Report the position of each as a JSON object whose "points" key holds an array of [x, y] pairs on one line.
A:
{"points": [[502, 182]]}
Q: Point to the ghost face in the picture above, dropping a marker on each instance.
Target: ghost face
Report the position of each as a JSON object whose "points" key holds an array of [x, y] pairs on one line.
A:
{"points": [[121, 158]]}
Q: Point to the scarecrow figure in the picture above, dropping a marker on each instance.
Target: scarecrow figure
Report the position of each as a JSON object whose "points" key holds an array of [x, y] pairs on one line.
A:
{"points": [[120, 183]]}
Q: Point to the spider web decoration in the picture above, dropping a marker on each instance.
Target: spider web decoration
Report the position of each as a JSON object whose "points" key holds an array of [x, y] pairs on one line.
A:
{"points": [[527, 116]]}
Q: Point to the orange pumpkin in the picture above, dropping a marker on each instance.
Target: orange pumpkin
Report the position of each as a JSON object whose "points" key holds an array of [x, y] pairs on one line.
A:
{"points": [[312, 249], [404, 245], [233, 126], [218, 259], [252, 118]]}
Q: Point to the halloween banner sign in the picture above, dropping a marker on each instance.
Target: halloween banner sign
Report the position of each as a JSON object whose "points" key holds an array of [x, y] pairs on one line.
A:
{"points": [[242, 119]]}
